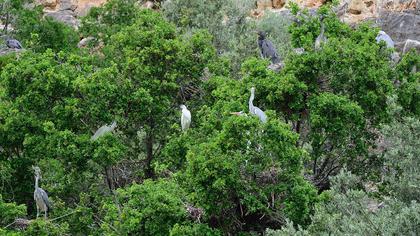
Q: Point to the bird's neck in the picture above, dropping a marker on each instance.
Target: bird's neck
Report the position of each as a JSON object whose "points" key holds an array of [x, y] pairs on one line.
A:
{"points": [[322, 28], [251, 99], [36, 182]]}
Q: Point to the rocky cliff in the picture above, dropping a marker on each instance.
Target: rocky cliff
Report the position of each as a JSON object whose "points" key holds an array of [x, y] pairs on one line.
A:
{"points": [[68, 11], [399, 18]]}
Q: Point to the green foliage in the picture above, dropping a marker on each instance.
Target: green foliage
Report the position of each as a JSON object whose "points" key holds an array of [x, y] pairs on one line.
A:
{"points": [[153, 65], [359, 70], [408, 75], [193, 230], [401, 159], [35, 86], [234, 32], [9, 11], [151, 208], [229, 173], [41, 33], [351, 210], [52, 102], [276, 26], [331, 97], [10, 211], [44, 228], [338, 132], [252, 171], [102, 22]]}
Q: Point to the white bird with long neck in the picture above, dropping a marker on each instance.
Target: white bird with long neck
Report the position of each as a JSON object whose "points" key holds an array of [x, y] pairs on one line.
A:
{"points": [[185, 118], [103, 130], [255, 110], [40, 196]]}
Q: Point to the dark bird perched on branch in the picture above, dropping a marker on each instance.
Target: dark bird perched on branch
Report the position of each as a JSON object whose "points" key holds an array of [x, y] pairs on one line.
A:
{"points": [[267, 48], [13, 43]]}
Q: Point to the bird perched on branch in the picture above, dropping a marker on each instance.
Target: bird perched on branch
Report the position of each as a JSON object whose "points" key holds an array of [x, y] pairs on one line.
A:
{"points": [[103, 130], [255, 110], [185, 118], [321, 39], [13, 43], [40, 196], [267, 48]]}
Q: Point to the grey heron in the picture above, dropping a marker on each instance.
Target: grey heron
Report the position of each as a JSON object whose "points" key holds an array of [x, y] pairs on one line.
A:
{"points": [[40, 196], [267, 48], [321, 39], [12, 43], [185, 118], [255, 110], [103, 130], [382, 36]]}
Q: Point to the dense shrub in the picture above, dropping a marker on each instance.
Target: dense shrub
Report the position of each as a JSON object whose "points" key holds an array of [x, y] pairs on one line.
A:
{"points": [[41, 33], [233, 30], [336, 155], [151, 208], [349, 209]]}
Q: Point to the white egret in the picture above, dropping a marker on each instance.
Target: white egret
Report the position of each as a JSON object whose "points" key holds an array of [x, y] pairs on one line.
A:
{"points": [[103, 130], [185, 118]]}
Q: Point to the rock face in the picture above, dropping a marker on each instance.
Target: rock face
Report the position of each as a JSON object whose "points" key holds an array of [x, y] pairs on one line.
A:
{"points": [[411, 44], [68, 11], [401, 25], [6, 51]]}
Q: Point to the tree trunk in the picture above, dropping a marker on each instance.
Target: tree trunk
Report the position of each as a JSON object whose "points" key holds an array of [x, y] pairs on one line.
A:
{"points": [[149, 173], [6, 23], [110, 181]]}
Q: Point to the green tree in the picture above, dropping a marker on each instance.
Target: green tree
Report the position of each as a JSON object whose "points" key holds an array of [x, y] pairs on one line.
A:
{"points": [[10, 211], [9, 9], [41, 33], [154, 63], [244, 174], [151, 208], [193, 230], [103, 22], [233, 30], [334, 98], [34, 87], [408, 78], [338, 136], [348, 209]]}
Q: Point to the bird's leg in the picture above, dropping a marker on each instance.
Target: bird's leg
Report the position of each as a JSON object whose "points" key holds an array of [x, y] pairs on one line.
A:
{"points": [[37, 212], [45, 215]]}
